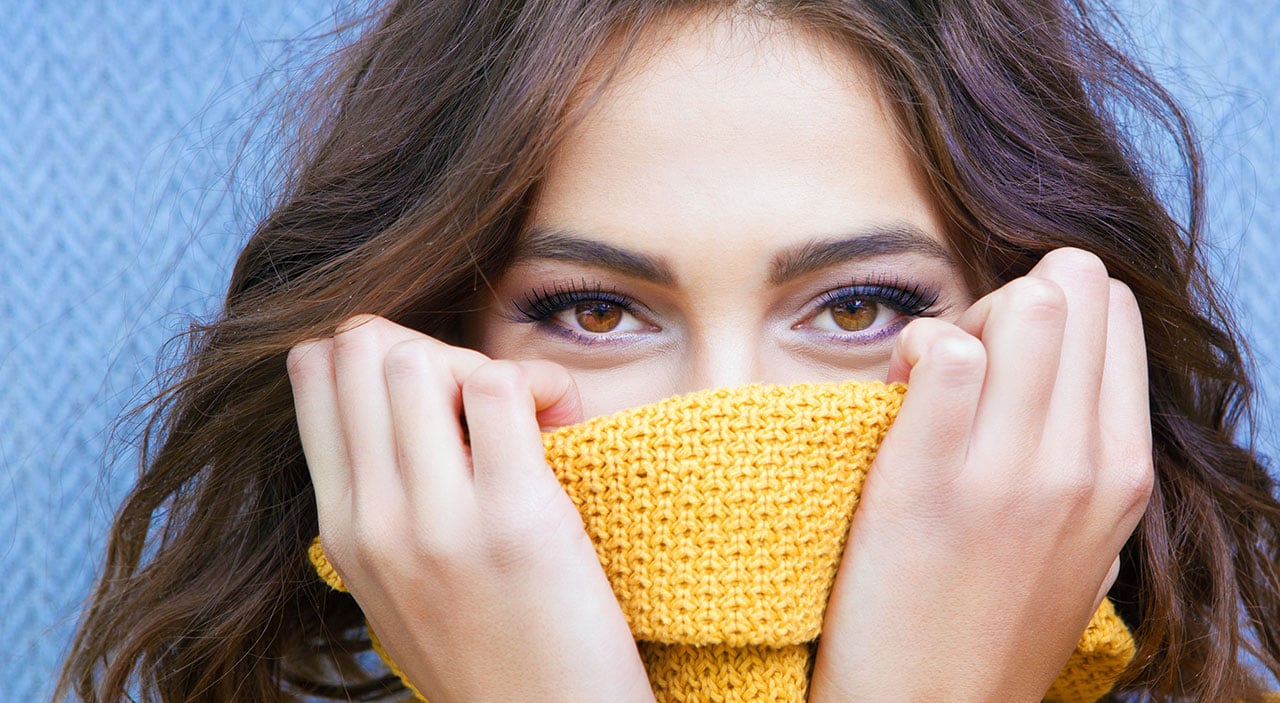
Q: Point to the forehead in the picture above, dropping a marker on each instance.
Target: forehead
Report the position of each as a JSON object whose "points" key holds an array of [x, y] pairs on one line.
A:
{"points": [[735, 131]]}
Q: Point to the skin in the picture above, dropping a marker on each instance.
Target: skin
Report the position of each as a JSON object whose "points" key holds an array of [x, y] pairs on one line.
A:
{"points": [[706, 190]]}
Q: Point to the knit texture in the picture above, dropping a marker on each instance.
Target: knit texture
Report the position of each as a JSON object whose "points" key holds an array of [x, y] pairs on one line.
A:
{"points": [[719, 518]]}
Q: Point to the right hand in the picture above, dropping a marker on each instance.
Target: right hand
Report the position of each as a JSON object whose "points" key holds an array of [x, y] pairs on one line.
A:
{"points": [[469, 560]]}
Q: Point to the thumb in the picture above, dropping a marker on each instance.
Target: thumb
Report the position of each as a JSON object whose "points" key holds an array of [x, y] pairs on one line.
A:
{"points": [[555, 395]]}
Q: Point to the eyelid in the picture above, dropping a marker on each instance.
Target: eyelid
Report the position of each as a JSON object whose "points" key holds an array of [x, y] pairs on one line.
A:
{"points": [[908, 300], [540, 306], [541, 303]]}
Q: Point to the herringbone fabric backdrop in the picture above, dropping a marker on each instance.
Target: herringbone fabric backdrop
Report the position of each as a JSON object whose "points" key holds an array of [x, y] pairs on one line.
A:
{"points": [[118, 125]]}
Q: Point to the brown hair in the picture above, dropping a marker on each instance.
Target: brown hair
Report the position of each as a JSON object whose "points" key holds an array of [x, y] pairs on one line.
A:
{"points": [[414, 157]]}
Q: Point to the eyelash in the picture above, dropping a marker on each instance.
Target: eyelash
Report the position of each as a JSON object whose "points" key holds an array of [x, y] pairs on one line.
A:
{"points": [[543, 304], [908, 299]]}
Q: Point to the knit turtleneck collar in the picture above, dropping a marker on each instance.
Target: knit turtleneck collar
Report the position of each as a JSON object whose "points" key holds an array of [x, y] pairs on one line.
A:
{"points": [[719, 518]]}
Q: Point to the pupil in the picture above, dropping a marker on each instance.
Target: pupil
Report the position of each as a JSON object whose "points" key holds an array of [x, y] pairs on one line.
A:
{"points": [[598, 316], [854, 316]]}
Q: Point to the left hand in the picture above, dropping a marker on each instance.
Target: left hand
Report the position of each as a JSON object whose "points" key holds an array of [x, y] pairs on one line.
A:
{"points": [[990, 522]]}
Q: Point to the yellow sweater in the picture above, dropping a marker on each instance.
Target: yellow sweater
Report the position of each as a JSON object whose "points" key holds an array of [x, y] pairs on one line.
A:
{"points": [[719, 518]]}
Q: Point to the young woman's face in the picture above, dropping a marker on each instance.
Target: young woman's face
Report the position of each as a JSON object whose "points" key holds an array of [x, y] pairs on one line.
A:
{"points": [[737, 208]]}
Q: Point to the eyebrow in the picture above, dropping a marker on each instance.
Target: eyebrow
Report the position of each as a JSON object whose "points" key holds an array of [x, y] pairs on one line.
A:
{"points": [[880, 240], [791, 263], [560, 245]]}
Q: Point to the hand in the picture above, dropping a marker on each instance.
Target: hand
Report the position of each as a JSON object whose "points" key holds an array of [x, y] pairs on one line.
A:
{"points": [[470, 562], [991, 520]]}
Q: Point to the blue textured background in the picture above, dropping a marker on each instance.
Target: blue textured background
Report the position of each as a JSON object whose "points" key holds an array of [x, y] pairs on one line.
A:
{"points": [[118, 125]]}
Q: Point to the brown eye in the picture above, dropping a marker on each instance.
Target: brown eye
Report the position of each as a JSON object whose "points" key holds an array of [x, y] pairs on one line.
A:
{"points": [[855, 315], [598, 316]]}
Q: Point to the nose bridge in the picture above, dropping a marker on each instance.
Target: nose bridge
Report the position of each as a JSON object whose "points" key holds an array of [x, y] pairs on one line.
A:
{"points": [[722, 357]]}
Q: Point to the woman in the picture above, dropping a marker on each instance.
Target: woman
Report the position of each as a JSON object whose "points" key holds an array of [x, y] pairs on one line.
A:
{"points": [[511, 215]]}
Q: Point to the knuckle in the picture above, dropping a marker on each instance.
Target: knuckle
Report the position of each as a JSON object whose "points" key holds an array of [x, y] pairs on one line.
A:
{"points": [[957, 353], [916, 330], [1078, 262], [362, 550], [409, 359], [441, 552], [497, 379], [1074, 486], [1036, 297], [356, 336], [387, 543], [308, 359], [1135, 481], [1068, 476], [362, 321], [372, 539], [906, 340]]}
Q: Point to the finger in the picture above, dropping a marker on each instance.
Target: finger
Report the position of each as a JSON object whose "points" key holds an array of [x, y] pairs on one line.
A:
{"points": [[501, 400], [1124, 409], [1084, 281], [364, 410], [315, 400], [1021, 325], [945, 368], [555, 395], [424, 384]]}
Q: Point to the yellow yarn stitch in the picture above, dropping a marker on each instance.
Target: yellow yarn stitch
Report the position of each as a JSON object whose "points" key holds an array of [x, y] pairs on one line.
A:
{"points": [[719, 518]]}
